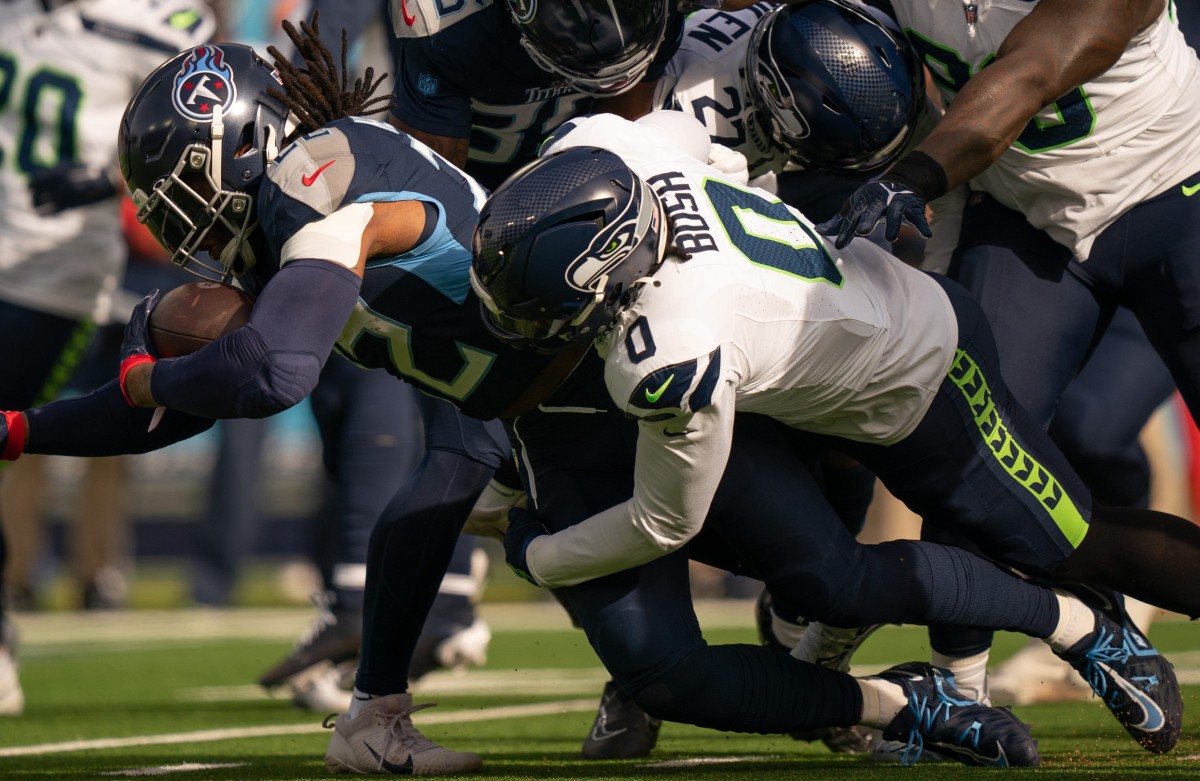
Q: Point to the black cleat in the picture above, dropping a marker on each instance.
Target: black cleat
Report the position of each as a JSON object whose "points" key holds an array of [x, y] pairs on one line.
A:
{"points": [[621, 730], [334, 638]]}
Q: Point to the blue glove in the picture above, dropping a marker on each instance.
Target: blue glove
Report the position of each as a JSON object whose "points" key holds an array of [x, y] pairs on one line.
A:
{"points": [[69, 186], [523, 527], [136, 348], [884, 199]]}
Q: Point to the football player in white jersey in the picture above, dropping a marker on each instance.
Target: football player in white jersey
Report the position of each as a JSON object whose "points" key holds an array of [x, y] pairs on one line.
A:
{"points": [[705, 297], [1083, 167], [67, 69]]}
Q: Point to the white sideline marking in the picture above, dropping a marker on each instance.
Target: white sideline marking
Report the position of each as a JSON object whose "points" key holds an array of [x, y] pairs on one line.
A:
{"points": [[211, 735], [162, 770], [707, 761]]}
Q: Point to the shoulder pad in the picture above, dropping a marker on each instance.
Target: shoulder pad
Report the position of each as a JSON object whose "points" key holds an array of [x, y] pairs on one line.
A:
{"points": [[316, 170], [167, 26], [422, 18], [678, 389]]}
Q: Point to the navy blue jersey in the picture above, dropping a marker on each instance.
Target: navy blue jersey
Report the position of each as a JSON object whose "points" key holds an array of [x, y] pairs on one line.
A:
{"points": [[465, 73], [416, 316]]}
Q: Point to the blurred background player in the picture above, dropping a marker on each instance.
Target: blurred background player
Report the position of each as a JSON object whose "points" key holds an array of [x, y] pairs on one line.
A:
{"points": [[69, 69]]}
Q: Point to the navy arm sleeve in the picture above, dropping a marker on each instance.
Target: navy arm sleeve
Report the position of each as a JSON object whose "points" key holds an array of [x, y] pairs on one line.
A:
{"points": [[103, 424], [272, 362]]}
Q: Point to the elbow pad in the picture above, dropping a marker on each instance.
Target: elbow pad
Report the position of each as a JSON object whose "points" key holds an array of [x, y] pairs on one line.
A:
{"points": [[281, 381]]}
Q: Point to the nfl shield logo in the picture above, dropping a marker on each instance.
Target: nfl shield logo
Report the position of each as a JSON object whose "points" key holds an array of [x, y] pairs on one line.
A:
{"points": [[204, 82]]}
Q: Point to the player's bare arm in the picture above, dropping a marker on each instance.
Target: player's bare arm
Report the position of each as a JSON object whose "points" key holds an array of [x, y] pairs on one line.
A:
{"points": [[453, 149], [1059, 45]]}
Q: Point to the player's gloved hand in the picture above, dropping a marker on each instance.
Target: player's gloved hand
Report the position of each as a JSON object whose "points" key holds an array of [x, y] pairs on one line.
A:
{"points": [[69, 186], [523, 527], [884, 199], [899, 196], [13, 433], [136, 349]]}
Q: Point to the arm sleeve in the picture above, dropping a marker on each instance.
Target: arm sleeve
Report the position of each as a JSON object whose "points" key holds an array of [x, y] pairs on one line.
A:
{"points": [[676, 473], [103, 424], [273, 361]]}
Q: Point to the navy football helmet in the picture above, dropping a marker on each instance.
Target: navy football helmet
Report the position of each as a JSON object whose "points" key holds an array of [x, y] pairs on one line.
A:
{"points": [[839, 85], [193, 146], [600, 47], [560, 246]]}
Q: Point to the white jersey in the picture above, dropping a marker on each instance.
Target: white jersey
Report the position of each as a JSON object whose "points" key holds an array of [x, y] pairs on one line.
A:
{"points": [[764, 316], [706, 78], [1124, 137], [67, 76]]}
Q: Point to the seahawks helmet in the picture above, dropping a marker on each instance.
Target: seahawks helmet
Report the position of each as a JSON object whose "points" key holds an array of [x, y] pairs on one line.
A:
{"points": [[559, 247], [193, 146], [600, 47], [838, 84]]}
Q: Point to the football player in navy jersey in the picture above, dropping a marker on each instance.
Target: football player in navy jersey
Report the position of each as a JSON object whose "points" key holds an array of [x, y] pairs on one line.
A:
{"points": [[484, 83], [362, 231]]}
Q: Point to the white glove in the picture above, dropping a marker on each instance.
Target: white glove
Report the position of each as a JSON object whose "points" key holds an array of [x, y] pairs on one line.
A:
{"points": [[730, 163]]}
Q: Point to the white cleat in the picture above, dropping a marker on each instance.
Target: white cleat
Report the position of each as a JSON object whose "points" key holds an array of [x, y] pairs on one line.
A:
{"points": [[320, 688], [382, 740], [12, 697], [465, 648]]}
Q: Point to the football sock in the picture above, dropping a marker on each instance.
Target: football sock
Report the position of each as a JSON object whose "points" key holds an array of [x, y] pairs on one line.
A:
{"points": [[882, 700], [358, 699], [1075, 622], [970, 674]]}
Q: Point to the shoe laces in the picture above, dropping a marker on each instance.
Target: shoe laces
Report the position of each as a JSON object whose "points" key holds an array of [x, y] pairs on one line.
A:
{"points": [[1105, 650], [323, 602], [398, 726], [928, 712]]}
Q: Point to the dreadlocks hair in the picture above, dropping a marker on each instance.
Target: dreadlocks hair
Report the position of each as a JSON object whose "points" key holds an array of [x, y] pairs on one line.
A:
{"points": [[318, 92]]}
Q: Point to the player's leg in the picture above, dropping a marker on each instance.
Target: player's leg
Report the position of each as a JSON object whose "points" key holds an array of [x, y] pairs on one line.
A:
{"points": [[979, 464], [1097, 427], [409, 551], [641, 624], [372, 440], [40, 351]]}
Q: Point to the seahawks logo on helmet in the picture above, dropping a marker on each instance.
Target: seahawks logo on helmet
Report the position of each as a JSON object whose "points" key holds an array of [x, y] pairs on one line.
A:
{"points": [[612, 246], [523, 10], [203, 83]]}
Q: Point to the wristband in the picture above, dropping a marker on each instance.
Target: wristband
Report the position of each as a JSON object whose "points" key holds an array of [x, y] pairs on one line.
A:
{"points": [[17, 434], [127, 366], [920, 173]]}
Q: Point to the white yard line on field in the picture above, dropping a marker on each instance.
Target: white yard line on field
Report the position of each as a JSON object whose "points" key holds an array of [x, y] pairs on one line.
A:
{"points": [[237, 733]]}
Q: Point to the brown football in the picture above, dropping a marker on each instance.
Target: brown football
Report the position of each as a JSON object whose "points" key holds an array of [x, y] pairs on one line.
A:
{"points": [[192, 315]]}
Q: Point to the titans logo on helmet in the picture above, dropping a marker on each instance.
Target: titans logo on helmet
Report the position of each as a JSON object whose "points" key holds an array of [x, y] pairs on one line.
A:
{"points": [[204, 82]]}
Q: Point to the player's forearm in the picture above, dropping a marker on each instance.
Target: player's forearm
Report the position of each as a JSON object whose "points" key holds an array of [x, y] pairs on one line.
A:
{"points": [[605, 543], [103, 424]]}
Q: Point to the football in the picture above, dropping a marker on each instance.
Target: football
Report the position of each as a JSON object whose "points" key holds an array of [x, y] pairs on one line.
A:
{"points": [[192, 315]]}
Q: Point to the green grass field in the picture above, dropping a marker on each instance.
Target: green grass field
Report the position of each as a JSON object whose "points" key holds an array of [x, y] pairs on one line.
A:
{"points": [[148, 693]]}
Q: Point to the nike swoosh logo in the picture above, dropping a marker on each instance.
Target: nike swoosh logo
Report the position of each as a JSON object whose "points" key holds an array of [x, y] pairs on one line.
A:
{"points": [[656, 395], [409, 20], [405, 769], [308, 179], [603, 733], [1155, 720], [999, 760], [1190, 191]]}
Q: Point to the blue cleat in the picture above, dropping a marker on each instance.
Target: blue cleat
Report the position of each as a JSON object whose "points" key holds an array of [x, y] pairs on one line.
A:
{"points": [[1134, 681], [942, 719]]}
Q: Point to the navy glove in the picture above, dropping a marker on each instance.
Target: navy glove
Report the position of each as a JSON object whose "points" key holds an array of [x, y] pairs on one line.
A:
{"points": [[523, 527], [69, 186], [136, 349], [882, 198]]}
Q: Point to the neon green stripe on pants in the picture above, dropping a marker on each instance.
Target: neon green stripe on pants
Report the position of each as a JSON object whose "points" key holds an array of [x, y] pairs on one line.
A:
{"points": [[1023, 468]]}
